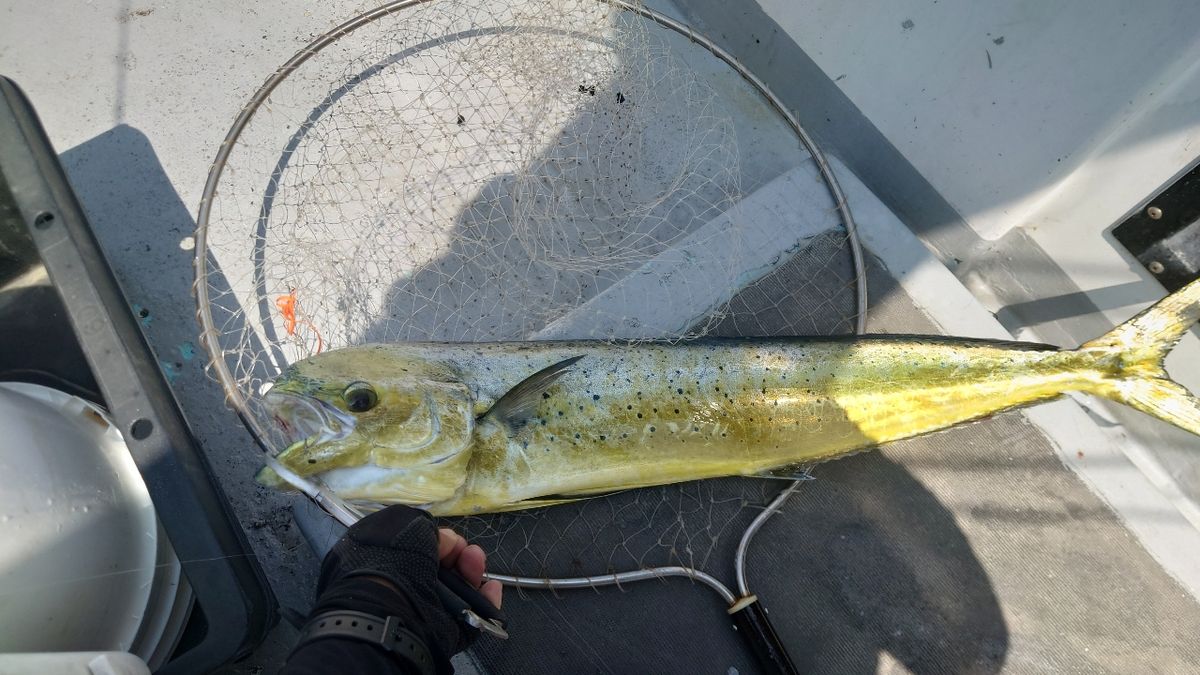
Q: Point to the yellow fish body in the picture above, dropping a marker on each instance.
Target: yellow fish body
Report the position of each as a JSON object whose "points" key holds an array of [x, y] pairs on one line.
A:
{"points": [[483, 427]]}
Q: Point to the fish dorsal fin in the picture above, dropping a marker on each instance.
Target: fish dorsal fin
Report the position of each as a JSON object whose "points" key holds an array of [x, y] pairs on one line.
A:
{"points": [[517, 404]]}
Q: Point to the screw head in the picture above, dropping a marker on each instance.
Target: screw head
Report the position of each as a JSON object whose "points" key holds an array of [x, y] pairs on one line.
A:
{"points": [[1154, 212], [1155, 267]]}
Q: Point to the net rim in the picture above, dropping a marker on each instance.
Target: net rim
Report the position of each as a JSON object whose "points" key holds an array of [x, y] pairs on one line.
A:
{"points": [[210, 337]]}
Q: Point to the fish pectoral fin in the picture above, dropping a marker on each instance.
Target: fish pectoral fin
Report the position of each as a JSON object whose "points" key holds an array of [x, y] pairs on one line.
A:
{"points": [[267, 477], [516, 406]]}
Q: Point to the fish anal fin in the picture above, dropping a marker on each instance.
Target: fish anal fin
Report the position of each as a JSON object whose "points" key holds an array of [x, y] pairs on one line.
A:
{"points": [[787, 472], [535, 503], [586, 494], [555, 500], [542, 502], [516, 406]]}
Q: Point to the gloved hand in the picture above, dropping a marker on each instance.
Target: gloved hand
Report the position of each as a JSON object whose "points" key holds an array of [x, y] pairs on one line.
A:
{"points": [[387, 565]]}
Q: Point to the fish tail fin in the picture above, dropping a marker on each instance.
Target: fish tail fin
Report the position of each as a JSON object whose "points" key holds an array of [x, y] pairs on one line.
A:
{"points": [[1164, 399], [1134, 353]]}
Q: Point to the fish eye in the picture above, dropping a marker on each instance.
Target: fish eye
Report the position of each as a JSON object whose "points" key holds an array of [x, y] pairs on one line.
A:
{"points": [[360, 397]]}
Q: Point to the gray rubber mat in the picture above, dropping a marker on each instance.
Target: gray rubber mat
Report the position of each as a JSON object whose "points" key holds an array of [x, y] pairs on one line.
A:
{"points": [[971, 550]]}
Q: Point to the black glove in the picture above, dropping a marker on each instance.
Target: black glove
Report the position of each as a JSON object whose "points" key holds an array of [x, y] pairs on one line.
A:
{"points": [[387, 565]]}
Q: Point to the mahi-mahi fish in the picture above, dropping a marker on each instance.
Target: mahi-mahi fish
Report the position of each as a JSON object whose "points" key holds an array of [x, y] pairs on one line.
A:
{"points": [[482, 427]]}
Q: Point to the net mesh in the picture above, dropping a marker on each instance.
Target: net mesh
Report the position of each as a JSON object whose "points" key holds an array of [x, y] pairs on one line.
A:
{"points": [[507, 170]]}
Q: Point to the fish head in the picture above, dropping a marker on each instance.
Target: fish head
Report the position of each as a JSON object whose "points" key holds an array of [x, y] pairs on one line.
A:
{"points": [[360, 408]]}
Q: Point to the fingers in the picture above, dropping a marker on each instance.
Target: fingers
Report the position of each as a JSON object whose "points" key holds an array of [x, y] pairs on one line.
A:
{"points": [[492, 590], [450, 546], [471, 564], [470, 561]]}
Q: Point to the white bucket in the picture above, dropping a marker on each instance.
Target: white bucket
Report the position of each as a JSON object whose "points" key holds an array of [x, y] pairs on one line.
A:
{"points": [[84, 564]]}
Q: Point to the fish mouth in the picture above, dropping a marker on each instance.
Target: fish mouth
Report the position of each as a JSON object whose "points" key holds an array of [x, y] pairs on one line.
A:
{"points": [[308, 419]]}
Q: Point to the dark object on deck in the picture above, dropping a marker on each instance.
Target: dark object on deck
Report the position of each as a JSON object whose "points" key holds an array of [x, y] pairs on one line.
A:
{"points": [[1164, 235], [772, 655], [75, 332]]}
